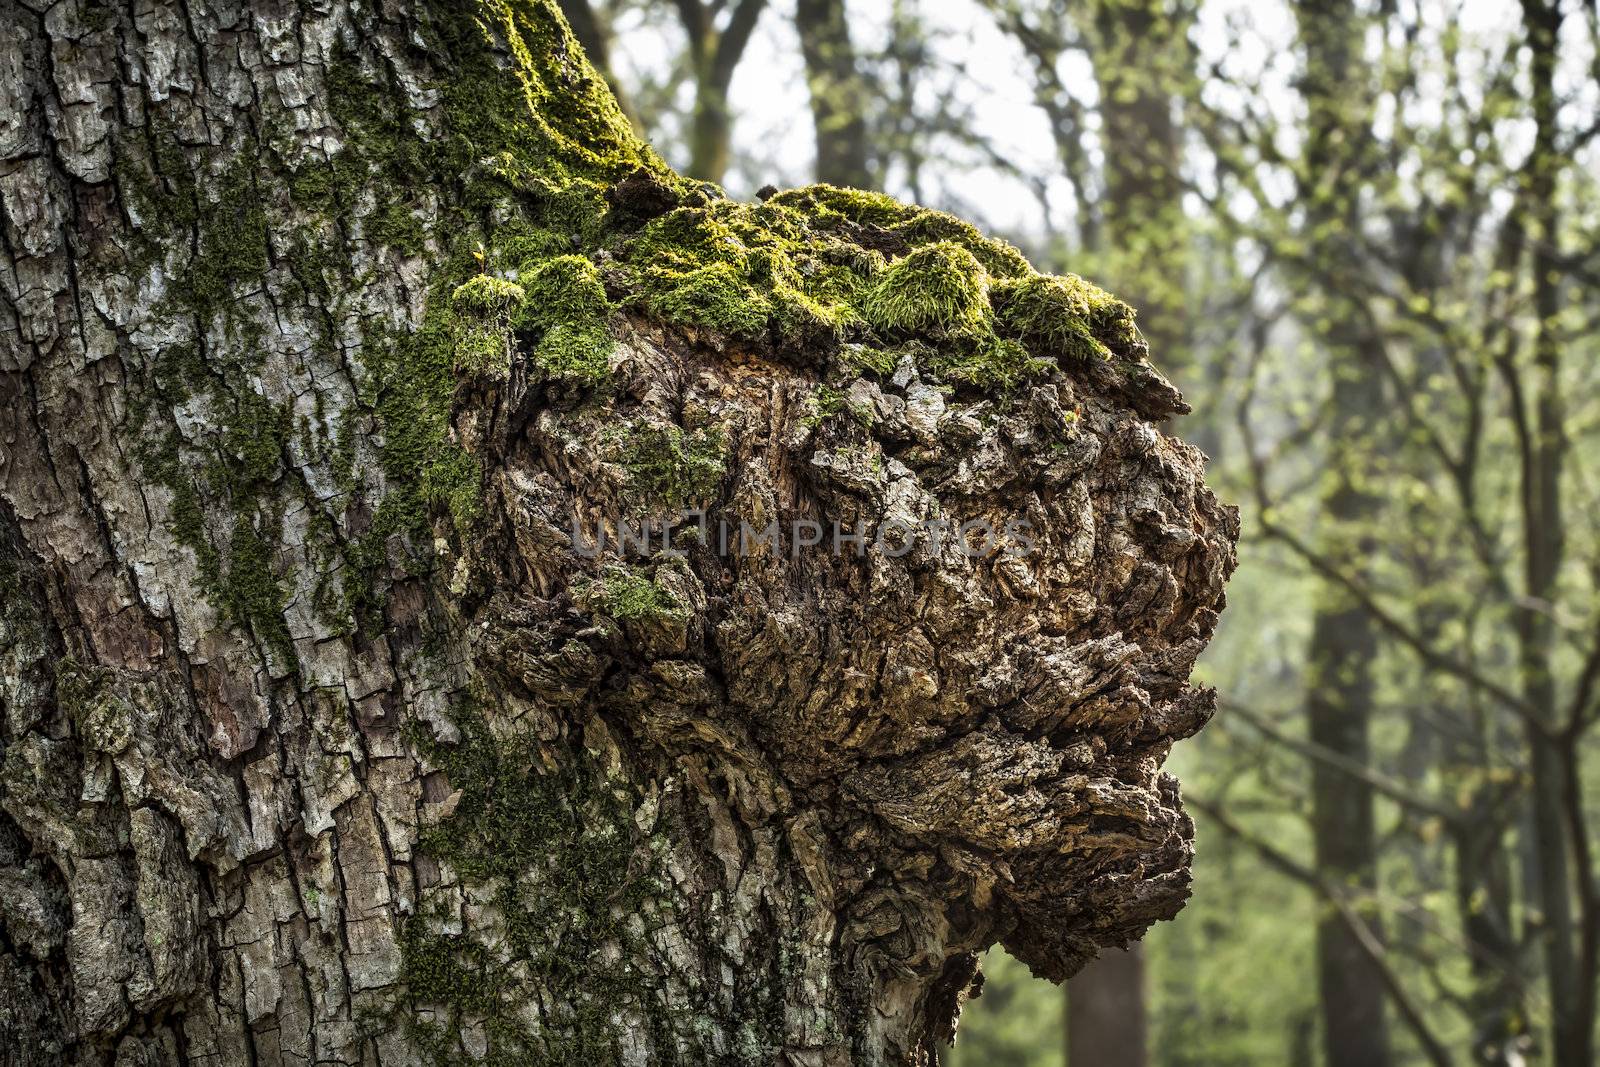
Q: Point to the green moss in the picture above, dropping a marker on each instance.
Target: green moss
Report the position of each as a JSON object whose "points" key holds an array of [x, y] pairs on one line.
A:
{"points": [[823, 404], [753, 272], [804, 269], [565, 289], [627, 596], [567, 301], [557, 854], [941, 288], [859, 214], [484, 307], [250, 591], [1064, 316], [717, 295], [233, 246], [868, 359], [992, 364], [670, 468], [396, 226], [489, 297]]}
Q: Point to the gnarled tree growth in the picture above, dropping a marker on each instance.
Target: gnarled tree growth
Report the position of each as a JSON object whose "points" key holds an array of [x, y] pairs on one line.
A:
{"points": [[349, 350]]}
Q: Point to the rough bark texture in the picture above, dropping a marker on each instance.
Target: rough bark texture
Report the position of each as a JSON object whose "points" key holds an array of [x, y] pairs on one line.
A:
{"points": [[321, 741]]}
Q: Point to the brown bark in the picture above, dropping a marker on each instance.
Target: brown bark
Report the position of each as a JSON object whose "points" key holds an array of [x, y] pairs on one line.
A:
{"points": [[321, 744]]}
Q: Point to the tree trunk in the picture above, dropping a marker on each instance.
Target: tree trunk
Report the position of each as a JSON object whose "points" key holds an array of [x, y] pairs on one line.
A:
{"points": [[1143, 65], [1344, 637], [1552, 777], [715, 51], [1106, 1012], [332, 335], [839, 93]]}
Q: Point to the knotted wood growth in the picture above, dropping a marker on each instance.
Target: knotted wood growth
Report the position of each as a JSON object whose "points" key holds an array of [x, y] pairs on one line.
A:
{"points": [[335, 337]]}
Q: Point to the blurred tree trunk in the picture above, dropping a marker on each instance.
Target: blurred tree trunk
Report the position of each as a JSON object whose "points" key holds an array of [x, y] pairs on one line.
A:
{"points": [[1543, 437], [1143, 66], [1344, 638], [714, 51], [1106, 1021], [838, 90]]}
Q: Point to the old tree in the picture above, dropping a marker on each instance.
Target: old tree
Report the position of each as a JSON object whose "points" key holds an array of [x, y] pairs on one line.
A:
{"points": [[334, 334]]}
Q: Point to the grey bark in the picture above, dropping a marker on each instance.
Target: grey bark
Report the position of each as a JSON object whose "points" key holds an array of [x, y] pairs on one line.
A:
{"points": [[284, 778]]}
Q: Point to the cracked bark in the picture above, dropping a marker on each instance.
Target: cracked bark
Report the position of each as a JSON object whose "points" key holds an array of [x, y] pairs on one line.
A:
{"points": [[253, 810]]}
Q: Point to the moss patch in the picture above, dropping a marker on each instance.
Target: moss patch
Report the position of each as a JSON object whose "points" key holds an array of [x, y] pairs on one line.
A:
{"points": [[484, 307], [556, 854], [1066, 316], [939, 289], [868, 277], [627, 596], [568, 306], [670, 468]]}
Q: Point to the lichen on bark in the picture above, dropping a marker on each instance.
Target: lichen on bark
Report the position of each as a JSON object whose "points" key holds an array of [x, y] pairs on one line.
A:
{"points": [[331, 727]]}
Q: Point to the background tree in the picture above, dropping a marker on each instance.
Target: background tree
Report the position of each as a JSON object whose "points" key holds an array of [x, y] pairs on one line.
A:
{"points": [[840, 95], [718, 33]]}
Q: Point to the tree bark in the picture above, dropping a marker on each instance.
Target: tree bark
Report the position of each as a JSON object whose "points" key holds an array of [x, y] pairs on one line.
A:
{"points": [[323, 738]]}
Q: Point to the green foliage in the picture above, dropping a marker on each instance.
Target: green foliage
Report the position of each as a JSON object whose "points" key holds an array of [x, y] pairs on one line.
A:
{"points": [[1016, 1022]]}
